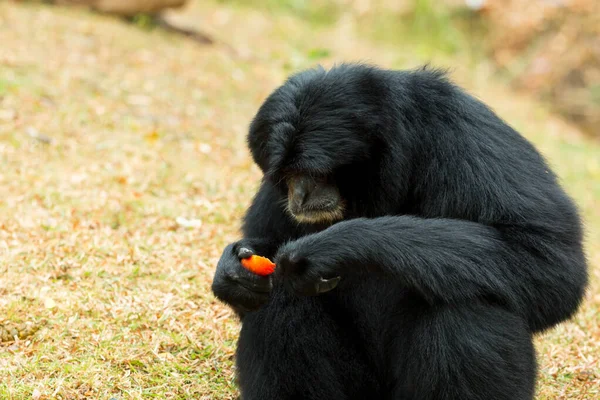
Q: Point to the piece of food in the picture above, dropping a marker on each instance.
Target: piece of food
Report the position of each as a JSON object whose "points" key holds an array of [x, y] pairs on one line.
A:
{"points": [[259, 265]]}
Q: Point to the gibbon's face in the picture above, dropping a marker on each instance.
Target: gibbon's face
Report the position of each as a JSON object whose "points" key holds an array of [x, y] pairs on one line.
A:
{"points": [[313, 199], [317, 170], [312, 141]]}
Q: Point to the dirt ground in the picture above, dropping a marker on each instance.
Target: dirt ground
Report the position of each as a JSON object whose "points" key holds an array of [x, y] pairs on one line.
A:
{"points": [[124, 172]]}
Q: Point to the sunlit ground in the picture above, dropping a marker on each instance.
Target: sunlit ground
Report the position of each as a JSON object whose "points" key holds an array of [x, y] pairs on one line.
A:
{"points": [[109, 133]]}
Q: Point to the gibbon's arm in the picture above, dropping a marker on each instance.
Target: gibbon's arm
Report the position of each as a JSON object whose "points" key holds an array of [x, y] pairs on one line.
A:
{"points": [[537, 274]]}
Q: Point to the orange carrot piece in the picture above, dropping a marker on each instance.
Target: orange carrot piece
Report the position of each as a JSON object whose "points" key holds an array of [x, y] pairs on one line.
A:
{"points": [[259, 265]]}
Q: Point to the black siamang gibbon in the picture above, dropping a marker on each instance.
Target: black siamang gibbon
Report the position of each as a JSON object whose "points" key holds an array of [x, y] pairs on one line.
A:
{"points": [[420, 243]]}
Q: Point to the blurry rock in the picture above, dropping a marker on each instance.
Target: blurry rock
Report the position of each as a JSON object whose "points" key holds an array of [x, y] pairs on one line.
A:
{"points": [[127, 8]]}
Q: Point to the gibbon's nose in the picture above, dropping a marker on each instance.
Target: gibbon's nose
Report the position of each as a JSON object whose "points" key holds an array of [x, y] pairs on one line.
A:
{"points": [[300, 194]]}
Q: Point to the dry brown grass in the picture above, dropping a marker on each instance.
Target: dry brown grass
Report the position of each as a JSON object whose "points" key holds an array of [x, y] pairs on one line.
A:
{"points": [[109, 133]]}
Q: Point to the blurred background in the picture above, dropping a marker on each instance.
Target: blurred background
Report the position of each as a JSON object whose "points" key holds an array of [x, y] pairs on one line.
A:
{"points": [[548, 48], [124, 170]]}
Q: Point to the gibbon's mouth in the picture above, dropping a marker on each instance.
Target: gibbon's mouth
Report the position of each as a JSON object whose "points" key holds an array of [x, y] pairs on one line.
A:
{"points": [[312, 216]]}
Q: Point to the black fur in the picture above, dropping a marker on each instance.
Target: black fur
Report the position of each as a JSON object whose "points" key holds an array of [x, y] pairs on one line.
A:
{"points": [[457, 245]]}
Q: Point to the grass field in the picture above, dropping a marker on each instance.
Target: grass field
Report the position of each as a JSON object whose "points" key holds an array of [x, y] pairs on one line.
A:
{"points": [[109, 133]]}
